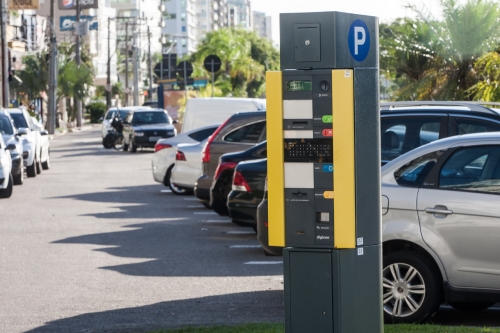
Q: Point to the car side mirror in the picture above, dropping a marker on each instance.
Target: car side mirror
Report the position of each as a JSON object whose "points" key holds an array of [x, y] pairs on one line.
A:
{"points": [[23, 131], [44, 133], [175, 122], [101, 119], [11, 147]]}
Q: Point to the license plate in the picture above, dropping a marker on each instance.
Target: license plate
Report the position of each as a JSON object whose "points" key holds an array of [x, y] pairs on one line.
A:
{"points": [[154, 138]]}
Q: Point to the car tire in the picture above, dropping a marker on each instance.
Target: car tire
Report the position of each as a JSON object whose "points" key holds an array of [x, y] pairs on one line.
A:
{"points": [[133, 147], [206, 204], [18, 179], [173, 188], [46, 164], [31, 170], [7, 192], [471, 306], [412, 288], [39, 165]]}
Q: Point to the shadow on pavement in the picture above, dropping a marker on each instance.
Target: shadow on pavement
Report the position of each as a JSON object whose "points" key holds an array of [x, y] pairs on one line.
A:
{"points": [[231, 309]]}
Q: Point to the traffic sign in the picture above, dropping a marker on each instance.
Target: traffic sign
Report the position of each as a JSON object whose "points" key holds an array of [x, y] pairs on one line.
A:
{"points": [[212, 63], [184, 69]]}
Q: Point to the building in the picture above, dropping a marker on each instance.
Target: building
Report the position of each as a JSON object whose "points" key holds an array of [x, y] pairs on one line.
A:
{"points": [[212, 15], [262, 25], [181, 24], [240, 14]]}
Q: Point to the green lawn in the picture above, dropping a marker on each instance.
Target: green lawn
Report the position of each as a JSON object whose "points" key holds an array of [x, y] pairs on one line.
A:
{"points": [[278, 328]]}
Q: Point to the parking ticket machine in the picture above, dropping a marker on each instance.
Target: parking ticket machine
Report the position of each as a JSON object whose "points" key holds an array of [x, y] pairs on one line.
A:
{"points": [[324, 172]]}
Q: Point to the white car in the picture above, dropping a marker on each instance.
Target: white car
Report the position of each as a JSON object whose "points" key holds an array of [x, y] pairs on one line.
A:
{"points": [[106, 126], [6, 180], [44, 144], [187, 168], [31, 141], [165, 150]]}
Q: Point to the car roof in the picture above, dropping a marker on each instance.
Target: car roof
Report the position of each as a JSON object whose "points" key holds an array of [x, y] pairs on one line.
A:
{"points": [[13, 110], [453, 141], [482, 108]]}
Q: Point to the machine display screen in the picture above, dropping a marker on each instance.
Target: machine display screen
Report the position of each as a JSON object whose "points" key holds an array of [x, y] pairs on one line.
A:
{"points": [[299, 85]]}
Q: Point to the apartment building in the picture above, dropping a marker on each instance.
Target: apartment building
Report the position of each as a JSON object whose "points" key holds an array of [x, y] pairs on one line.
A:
{"points": [[262, 25], [181, 24]]}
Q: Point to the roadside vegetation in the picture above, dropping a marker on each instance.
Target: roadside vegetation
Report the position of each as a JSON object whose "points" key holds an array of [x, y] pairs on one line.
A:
{"points": [[279, 328]]}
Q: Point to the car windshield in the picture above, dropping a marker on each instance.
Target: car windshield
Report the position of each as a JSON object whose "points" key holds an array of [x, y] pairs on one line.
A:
{"points": [[6, 126], [153, 117], [19, 120]]}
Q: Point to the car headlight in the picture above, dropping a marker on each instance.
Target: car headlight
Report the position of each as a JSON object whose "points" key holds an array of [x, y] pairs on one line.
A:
{"points": [[14, 154], [27, 140], [138, 133], [170, 132]]}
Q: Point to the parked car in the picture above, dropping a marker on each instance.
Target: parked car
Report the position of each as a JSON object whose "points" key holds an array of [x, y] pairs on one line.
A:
{"points": [[31, 141], [143, 127], [106, 120], [241, 131], [44, 143], [247, 191], [223, 177], [187, 168], [208, 111], [263, 227], [165, 151], [441, 225], [6, 180], [14, 145]]}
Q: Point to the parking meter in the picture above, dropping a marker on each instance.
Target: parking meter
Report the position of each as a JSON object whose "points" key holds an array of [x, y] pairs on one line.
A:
{"points": [[323, 144]]}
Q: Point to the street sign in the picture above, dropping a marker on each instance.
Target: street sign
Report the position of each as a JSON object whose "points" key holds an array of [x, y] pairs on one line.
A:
{"points": [[212, 63], [184, 69]]}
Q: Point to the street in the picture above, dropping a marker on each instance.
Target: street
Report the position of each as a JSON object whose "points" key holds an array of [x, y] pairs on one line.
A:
{"points": [[95, 245]]}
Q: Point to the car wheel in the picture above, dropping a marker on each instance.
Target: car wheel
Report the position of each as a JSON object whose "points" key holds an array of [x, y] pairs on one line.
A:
{"points": [[175, 189], [471, 306], [133, 147], [7, 192], [412, 288], [206, 204], [46, 164], [31, 169], [18, 179], [39, 165]]}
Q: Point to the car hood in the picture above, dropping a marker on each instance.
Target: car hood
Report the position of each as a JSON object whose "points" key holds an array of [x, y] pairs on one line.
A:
{"points": [[153, 127]]}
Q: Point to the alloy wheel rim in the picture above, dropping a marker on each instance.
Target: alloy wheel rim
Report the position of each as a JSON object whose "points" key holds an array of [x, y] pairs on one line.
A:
{"points": [[175, 188], [403, 290]]}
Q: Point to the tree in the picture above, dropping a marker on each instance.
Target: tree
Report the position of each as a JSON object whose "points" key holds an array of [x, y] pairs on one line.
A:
{"points": [[34, 77]]}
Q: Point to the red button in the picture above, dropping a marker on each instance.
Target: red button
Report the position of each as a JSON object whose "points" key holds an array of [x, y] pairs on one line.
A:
{"points": [[328, 132]]}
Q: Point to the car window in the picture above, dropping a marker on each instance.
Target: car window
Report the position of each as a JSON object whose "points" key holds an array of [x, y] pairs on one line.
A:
{"points": [[247, 134], [6, 126], [467, 126], [202, 134], [413, 174], [19, 120], [472, 169], [145, 118], [400, 135], [108, 115]]}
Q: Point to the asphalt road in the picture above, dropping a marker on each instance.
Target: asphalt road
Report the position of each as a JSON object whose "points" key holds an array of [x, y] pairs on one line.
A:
{"points": [[95, 245]]}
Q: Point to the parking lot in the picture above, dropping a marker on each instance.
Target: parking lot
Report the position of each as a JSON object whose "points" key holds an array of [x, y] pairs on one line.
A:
{"points": [[95, 245]]}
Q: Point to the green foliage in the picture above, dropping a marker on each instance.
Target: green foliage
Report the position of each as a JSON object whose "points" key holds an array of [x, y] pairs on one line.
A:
{"points": [[96, 110], [34, 77], [487, 89], [245, 58]]}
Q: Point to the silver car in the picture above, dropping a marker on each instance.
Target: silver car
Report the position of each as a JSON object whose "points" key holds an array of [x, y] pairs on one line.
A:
{"points": [[441, 227]]}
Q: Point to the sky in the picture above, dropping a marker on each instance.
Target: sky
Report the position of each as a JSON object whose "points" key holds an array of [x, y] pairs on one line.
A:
{"points": [[385, 10]]}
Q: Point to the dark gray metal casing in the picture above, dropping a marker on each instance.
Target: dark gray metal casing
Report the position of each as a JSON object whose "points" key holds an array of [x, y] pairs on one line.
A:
{"points": [[328, 47], [333, 290]]}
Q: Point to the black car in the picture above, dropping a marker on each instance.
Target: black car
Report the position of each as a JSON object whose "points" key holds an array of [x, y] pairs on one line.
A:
{"points": [[14, 145], [144, 127], [241, 131], [221, 185], [405, 126], [247, 191]]}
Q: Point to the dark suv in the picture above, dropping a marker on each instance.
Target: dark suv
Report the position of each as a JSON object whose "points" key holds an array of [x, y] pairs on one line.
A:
{"points": [[241, 131], [144, 127]]}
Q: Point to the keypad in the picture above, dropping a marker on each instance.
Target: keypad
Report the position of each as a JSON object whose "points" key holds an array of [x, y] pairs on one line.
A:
{"points": [[308, 150]]}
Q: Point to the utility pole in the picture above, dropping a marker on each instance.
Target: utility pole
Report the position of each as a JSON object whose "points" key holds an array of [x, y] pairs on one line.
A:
{"points": [[4, 55], [78, 61], [108, 80], [51, 114], [136, 75], [127, 90], [150, 97]]}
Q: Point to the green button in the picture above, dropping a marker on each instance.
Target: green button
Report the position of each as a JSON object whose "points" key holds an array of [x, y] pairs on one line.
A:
{"points": [[327, 119]]}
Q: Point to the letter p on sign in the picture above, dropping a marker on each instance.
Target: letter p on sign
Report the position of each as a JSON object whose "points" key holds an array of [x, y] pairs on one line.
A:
{"points": [[359, 40]]}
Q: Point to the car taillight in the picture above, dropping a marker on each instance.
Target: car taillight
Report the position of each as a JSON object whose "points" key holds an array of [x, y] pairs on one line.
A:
{"points": [[180, 156], [160, 146], [240, 183], [224, 166], [205, 153]]}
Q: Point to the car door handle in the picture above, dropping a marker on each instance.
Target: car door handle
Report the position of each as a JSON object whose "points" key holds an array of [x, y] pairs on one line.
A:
{"points": [[441, 210]]}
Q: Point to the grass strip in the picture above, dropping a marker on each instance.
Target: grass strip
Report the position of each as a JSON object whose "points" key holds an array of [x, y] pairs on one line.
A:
{"points": [[279, 328]]}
